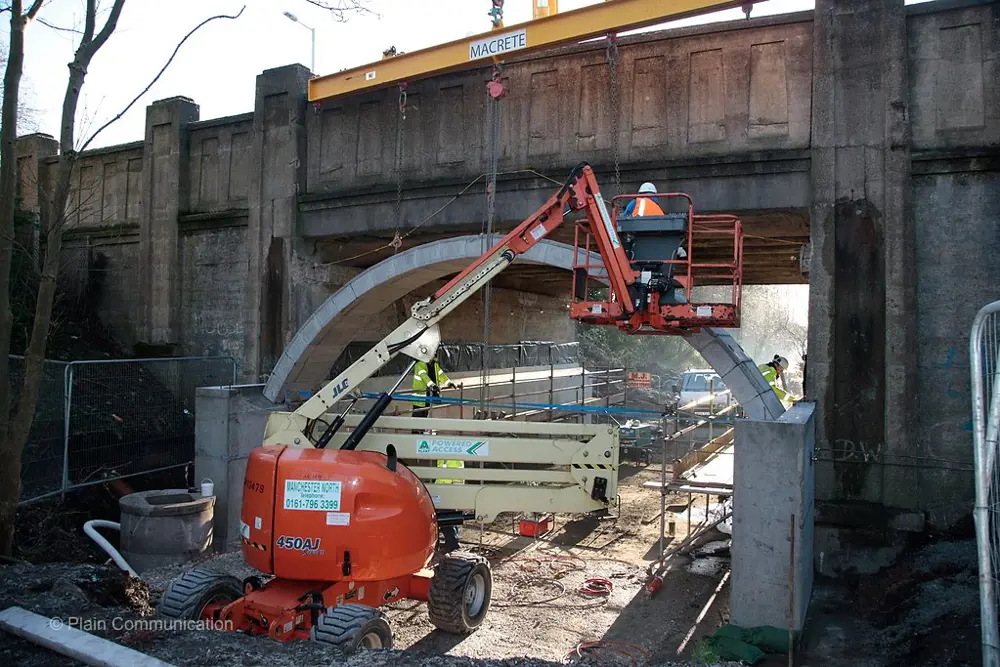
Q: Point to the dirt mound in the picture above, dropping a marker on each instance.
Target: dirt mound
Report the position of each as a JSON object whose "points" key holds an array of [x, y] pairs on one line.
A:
{"points": [[926, 607], [91, 597]]}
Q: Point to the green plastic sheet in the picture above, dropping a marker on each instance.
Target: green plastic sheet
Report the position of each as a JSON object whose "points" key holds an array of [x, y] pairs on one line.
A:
{"points": [[748, 645]]}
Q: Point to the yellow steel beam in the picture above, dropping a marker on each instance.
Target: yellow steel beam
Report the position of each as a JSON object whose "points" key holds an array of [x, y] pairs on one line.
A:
{"points": [[572, 26]]}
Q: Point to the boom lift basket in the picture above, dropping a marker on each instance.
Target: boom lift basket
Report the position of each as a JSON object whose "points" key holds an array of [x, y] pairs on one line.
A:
{"points": [[667, 254]]}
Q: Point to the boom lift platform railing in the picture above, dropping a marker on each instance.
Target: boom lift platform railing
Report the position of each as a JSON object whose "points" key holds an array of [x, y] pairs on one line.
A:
{"points": [[663, 251]]}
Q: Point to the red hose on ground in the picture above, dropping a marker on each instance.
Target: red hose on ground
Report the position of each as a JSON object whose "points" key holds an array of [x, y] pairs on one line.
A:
{"points": [[596, 586], [634, 652]]}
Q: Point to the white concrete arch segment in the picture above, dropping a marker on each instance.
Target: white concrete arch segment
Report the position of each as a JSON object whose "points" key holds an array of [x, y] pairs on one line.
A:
{"points": [[307, 359]]}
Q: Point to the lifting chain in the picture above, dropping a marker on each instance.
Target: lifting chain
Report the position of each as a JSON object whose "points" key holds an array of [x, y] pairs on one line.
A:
{"points": [[494, 117], [397, 240], [615, 89], [495, 85]]}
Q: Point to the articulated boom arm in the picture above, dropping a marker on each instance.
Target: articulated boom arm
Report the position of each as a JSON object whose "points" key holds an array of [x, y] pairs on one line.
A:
{"points": [[418, 337], [526, 467]]}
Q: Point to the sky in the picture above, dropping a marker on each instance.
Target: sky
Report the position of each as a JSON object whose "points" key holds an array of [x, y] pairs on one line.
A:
{"points": [[217, 66]]}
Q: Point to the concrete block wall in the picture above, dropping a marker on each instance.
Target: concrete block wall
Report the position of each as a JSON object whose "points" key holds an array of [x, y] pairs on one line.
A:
{"points": [[773, 480], [230, 423]]}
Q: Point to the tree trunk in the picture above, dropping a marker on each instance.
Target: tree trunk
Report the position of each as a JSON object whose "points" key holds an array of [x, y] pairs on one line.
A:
{"points": [[34, 357], [14, 434], [10, 454]]}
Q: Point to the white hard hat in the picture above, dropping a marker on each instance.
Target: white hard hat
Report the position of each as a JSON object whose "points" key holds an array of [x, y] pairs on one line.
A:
{"points": [[781, 361], [647, 188]]}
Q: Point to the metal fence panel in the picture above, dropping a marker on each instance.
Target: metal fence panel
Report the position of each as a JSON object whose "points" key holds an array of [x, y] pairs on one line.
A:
{"points": [[102, 420], [41, 461], [130, 416], [984, 352]]}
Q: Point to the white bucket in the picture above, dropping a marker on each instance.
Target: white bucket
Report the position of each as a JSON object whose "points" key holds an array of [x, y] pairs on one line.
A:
{"points": [[207, 488]]}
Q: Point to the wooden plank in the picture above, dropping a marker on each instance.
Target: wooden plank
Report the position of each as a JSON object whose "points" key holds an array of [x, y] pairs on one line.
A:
{"points": [[679, 487], [701, 455], [720, 490], [54, 635]]}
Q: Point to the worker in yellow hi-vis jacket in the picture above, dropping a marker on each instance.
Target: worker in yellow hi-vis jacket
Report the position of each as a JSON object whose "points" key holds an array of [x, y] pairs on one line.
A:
{"points": [[427, 380], [774, 371]]}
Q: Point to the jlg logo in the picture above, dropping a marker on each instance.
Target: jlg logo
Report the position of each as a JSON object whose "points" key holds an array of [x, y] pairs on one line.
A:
{"points": [[308, 545], [340, 388]]}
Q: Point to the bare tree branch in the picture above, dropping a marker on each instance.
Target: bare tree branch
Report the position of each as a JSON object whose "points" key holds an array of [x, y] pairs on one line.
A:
{"points": [[33, 10], [340, 9], [30, 14], [45, 23], [160, 73], [91, 20], [109, 26]]}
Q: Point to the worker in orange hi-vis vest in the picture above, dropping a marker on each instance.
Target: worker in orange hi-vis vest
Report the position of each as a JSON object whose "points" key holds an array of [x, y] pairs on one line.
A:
{"points": [[644, 205]]}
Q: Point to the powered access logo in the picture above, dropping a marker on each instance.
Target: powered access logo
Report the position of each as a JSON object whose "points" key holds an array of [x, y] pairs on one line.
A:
{"points": [[459, 447]]}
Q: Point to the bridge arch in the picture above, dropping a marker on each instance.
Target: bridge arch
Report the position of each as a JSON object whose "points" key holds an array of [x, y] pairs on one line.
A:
{"points": [[308, 357]]}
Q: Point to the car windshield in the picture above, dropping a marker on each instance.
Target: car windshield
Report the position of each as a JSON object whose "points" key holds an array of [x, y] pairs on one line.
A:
{"points": [[703, 382]]}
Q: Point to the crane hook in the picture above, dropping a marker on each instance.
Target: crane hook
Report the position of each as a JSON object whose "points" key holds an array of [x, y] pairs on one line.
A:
{"points": [[496, 14]]}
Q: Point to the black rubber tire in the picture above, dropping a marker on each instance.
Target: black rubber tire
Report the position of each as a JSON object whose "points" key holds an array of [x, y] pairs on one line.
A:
{"points": [[446, 601], [187, 595], [352, 626]]}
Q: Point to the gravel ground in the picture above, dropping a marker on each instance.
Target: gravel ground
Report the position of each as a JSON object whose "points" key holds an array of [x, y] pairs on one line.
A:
{"points": [[931, 617], [537, 615], [923, 611]]}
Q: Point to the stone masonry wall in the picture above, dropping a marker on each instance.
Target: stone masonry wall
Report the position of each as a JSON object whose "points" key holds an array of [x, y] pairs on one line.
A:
{"points": [[883, 121]]}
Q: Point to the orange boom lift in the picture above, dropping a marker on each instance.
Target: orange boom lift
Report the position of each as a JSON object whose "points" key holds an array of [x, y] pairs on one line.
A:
{"points": [[345, 532], [341, 532]]}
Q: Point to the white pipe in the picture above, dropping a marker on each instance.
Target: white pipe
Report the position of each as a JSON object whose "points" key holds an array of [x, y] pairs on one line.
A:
{"points": [[104, 544]]}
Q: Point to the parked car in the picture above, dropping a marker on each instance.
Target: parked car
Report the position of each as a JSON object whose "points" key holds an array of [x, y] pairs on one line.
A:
{"points": [[697, 384]]}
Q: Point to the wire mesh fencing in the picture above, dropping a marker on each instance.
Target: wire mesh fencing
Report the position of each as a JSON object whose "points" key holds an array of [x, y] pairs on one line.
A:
{"points": [[116, 418], [41, 461], [984, 352]]}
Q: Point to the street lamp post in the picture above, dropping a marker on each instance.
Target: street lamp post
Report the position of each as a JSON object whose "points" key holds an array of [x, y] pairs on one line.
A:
{"points": [[312, 63]]}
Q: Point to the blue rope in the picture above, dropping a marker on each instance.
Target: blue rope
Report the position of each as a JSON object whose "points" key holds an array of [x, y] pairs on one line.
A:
{"points": [[442, 400]]}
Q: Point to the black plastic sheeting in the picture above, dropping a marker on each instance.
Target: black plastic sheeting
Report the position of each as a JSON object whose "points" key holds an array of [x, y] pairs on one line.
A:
{"points": [[458, 357]]}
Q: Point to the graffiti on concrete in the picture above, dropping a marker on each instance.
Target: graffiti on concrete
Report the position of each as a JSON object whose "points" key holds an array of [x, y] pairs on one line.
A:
{"points": [[857, 452], [210, 326], [954, 387]]}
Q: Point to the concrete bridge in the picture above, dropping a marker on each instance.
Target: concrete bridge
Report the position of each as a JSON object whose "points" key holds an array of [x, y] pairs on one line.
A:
{"points": [[859, 143]]}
